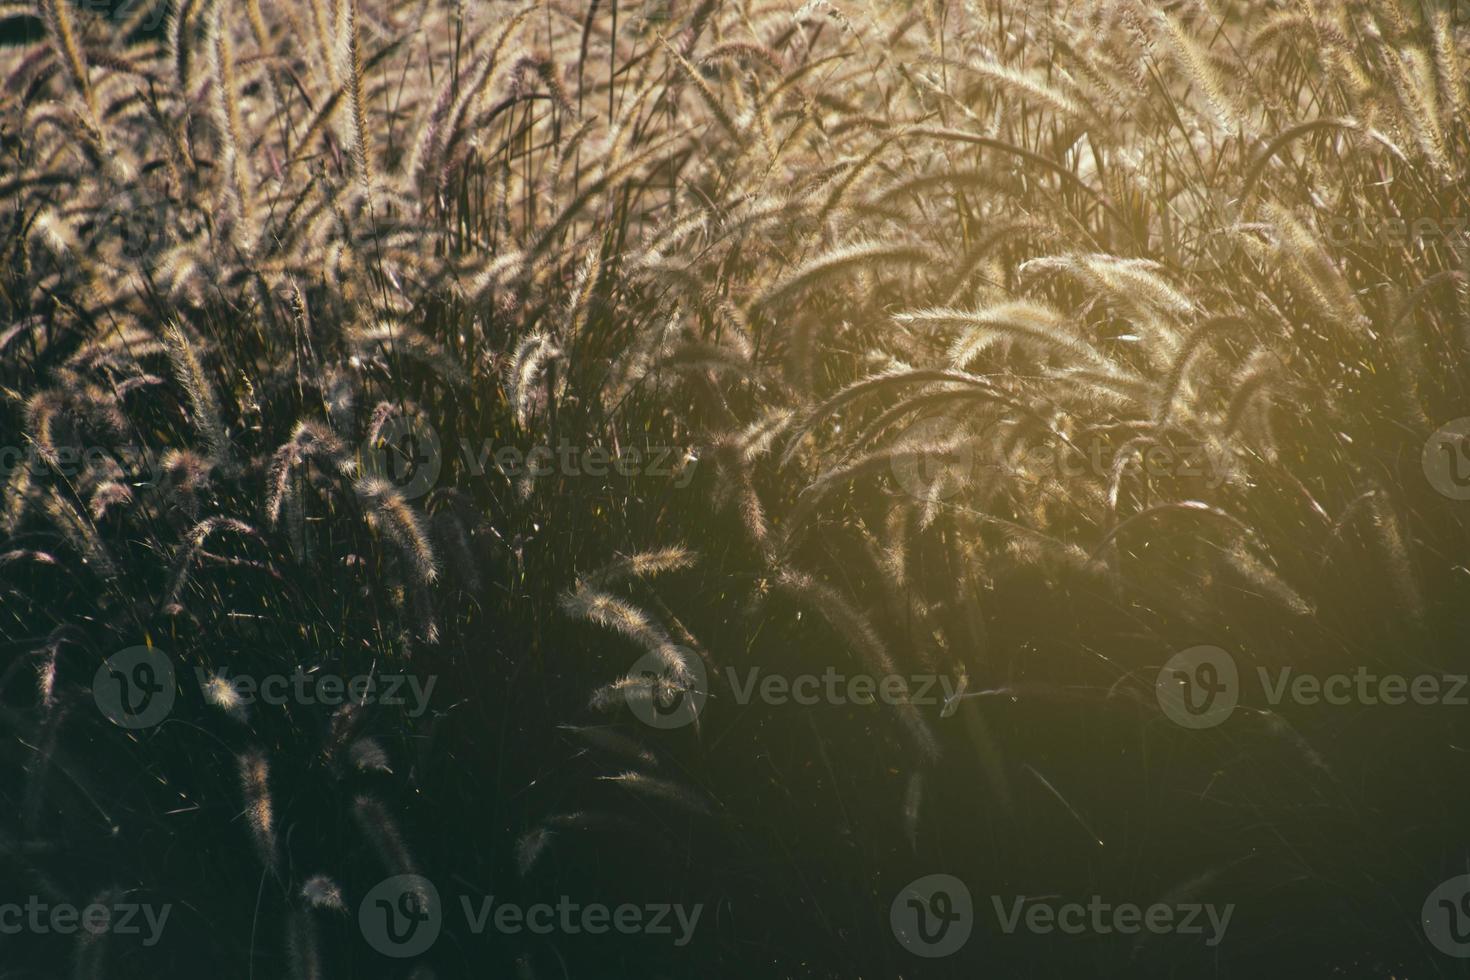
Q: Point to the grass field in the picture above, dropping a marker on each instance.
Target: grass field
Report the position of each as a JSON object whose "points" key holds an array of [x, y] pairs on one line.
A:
{"points": [[851, 489]]}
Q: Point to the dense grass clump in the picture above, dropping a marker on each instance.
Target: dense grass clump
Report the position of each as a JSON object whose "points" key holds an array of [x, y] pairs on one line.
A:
{"points": [[1010, 349]]}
